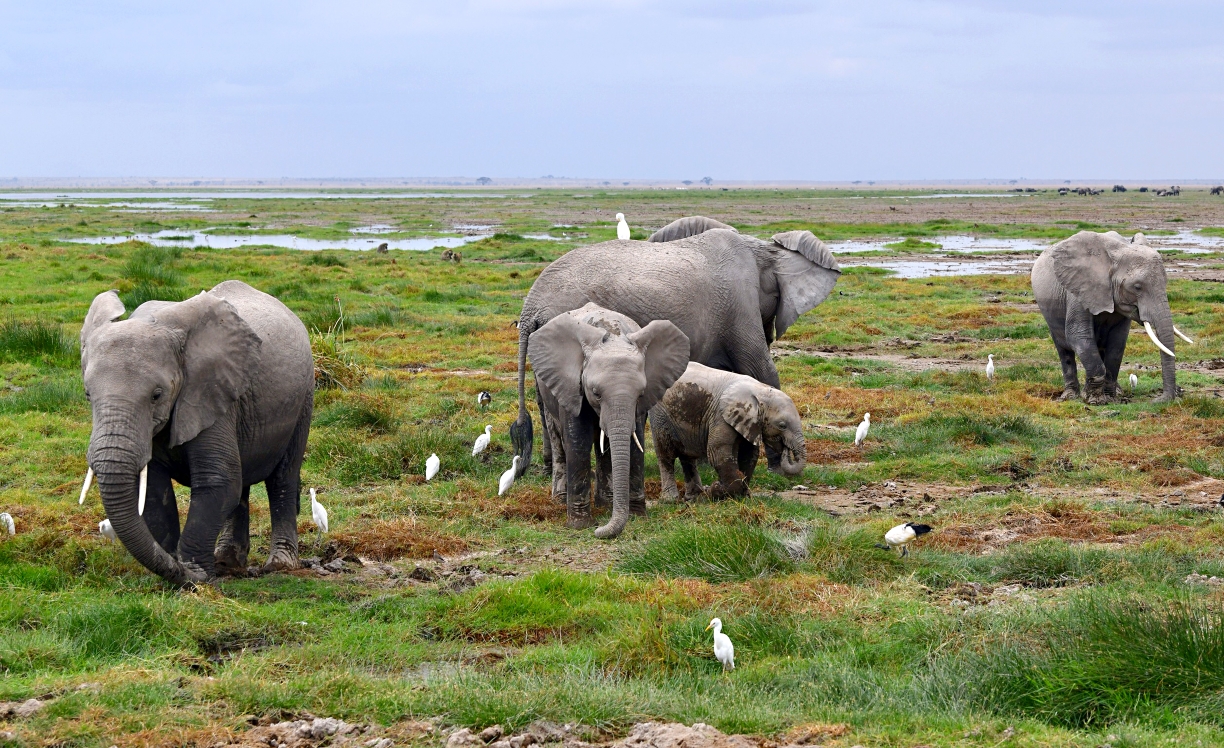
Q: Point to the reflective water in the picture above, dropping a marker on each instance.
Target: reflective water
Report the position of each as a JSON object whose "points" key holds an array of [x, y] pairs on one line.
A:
{"points": [[178, 238], [1188, 241], [956, 243], [125, 207], [378, 228], [928, 268], [242, 195]]}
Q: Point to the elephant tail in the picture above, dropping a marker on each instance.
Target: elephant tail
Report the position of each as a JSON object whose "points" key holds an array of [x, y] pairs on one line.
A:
{"points": [[521, 435]]}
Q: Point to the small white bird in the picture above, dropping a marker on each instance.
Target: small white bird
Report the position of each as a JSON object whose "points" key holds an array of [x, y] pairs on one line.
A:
{"points": [[482, 441], [622, 228], [990, 367], [431, 466], [724, 650], [901, 535], [861, 433], [507, 478], [1134, 380], [6, 520], [484, 398], [107, 531], [319, 512]]}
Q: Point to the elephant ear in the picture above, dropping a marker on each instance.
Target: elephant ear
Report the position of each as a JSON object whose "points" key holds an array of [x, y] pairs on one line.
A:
{"points": [[741, 409], [666, 350], [1082, 266], [1139, 238], [106, 307], [218, 355], [558, 352], [805, 271], [683, 228]]}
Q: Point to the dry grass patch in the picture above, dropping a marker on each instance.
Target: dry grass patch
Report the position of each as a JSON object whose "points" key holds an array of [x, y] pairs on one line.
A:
{"points": [[386, 540], [521, 502]]}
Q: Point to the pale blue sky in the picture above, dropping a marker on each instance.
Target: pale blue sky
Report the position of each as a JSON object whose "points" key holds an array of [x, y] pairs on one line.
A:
{"points": [[621, 89]]}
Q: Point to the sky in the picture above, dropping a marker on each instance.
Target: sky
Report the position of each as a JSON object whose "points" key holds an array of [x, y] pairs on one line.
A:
{"points": [[618, 89]]}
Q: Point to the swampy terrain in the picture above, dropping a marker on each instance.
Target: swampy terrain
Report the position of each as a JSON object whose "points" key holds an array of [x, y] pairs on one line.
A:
{"points": [[1069, 594]]}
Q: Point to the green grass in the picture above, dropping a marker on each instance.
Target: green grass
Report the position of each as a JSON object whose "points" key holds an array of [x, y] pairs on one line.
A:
{"points": [[715, 554]]}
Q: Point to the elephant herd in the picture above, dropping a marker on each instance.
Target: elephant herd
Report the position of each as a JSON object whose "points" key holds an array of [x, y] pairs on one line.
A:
{"points": [[216, 392]]}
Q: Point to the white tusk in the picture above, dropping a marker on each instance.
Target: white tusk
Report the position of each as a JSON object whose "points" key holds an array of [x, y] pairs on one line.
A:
{"points": [[635, 441], [1152, 334], [144, 485], [85, 488], [601, 441], [1182, 335]]}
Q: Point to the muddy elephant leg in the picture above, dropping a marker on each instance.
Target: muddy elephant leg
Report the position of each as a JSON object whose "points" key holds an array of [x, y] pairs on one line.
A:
{"points": [[746, 459], [546, 448], [216, 489], [234, 542], [554, 437], [284, 487], [580, 433], [1113, 345], [692, 479], [637, 472], [665, 455], [161, 509], [722, 452], [1071, 388], [1081, 334]]}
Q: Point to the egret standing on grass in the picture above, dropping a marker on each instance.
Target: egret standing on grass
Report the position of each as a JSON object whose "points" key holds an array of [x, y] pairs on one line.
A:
{"points": [[990, 367], [622, 228], [482, 441], [6, 520], [107, 531], [861, 434], [1134, 380], [319, 512], [431, 466], [724, 650], [901, 536], [507, 478]]}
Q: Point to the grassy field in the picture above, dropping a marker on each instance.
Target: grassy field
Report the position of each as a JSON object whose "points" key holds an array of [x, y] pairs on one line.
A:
{"points": [[1050, 607]]}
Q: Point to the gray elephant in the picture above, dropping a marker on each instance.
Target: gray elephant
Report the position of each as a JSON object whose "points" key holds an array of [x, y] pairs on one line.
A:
{"points": [[215, 392], [723, 418], [597, 372], [1090, 288], [729, 293]]}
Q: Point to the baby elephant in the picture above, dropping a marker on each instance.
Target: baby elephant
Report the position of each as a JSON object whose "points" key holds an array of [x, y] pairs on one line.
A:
{"points": [[723, 417]]}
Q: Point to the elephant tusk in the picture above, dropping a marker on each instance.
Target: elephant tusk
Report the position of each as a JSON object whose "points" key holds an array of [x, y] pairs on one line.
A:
{"points": [[601, 441], [1182, 335], [144, 485], [1152, 334], [635, 441], [85, 488]]}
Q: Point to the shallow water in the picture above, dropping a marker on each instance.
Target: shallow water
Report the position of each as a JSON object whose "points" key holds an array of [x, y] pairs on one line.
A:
{"points": [[956, 243], [1188, 241], [124, 207], [243, 195], [175, 238], [928, 268]]}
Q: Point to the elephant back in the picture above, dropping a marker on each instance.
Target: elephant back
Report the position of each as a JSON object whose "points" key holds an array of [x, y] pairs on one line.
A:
{"points": [[683, 228]]}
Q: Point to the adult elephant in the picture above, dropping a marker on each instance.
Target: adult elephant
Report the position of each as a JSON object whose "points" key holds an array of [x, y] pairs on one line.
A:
{"points": [[729, 293], [1090, 288], [215, 392]]}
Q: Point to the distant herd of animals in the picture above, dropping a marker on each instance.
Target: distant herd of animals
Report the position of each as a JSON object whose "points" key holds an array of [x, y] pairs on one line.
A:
{"points": [[216, 392]]}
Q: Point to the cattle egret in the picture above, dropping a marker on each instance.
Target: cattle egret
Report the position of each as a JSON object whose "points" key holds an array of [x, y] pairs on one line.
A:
{"points": [[6, 519], [507, 478], [901, 535], [319, 512], [622, 228], [482, 441], [431, 466], [484, 398], [990, 367], [107, 531], [85, 487], [861, 434], [1134, 380], [724, 650]]}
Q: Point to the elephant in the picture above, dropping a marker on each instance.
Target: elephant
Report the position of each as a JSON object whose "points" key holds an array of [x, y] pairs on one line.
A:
{"points": [[723, 418], [729, 293], [1090, 287], [215, 392], [597, 372]]}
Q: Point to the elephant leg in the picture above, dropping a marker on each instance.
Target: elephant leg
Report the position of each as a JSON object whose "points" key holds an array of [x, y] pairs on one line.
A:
{"points": [[637, 472], [749, 352], [1071, 388], [603, 480], [1081, 334], [285, 497], [722, 452], [546, 447], [161, 509], [579, 435], [665, 455], [746, 459], [1113, 345], [234, 542], [692, 479], [216, 489], [556, 460]]}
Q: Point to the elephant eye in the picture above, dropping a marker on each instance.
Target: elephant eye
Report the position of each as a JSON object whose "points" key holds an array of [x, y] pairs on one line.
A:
{"points": [[157, 393], [87, 397]]}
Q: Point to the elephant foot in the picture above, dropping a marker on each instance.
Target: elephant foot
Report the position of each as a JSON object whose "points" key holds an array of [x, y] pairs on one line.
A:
{"points": [[282, 558], [1166, 397], [580, 522], [1069, 394], [669, 497], [736, 488], [637, 508], [193, 574], [1096, 398], [231, 560]]}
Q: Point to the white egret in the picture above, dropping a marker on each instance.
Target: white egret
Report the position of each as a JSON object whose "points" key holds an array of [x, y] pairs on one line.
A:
{"points": [[6, 520], [900, 536], [484, 398], [1134, 380], [319, 512], [432, 465], [482, 441], [861, 433], [990, 367], [724, 650], [507, 478], [85, 487], [622, 228], [106, 530]]}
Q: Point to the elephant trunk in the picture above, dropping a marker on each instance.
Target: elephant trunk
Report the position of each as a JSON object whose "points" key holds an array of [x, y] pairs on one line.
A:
{"points": [[618, 420], [117, 460], [1161, 320], [794, 457]]}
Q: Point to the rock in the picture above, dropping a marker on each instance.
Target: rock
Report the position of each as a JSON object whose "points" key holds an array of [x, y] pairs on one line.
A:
{"points": [[422, 574], [28, 708], [335, 566], [491, 733], [463, 739], [675, 735], [521, 741], [310, 563], [379, 743], [500, 744], [1203, 579]]}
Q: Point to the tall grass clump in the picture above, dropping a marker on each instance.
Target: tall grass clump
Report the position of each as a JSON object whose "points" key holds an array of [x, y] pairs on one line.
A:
{"points": [[715, 554], [36, 340], [154, 276], [53, 396]]}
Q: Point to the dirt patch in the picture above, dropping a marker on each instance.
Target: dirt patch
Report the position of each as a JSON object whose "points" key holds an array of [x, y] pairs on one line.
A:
{"points": [[386, 540]]}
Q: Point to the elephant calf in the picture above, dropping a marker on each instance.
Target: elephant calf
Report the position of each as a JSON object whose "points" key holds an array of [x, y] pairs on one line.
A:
{"points": [[723, 418]]}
